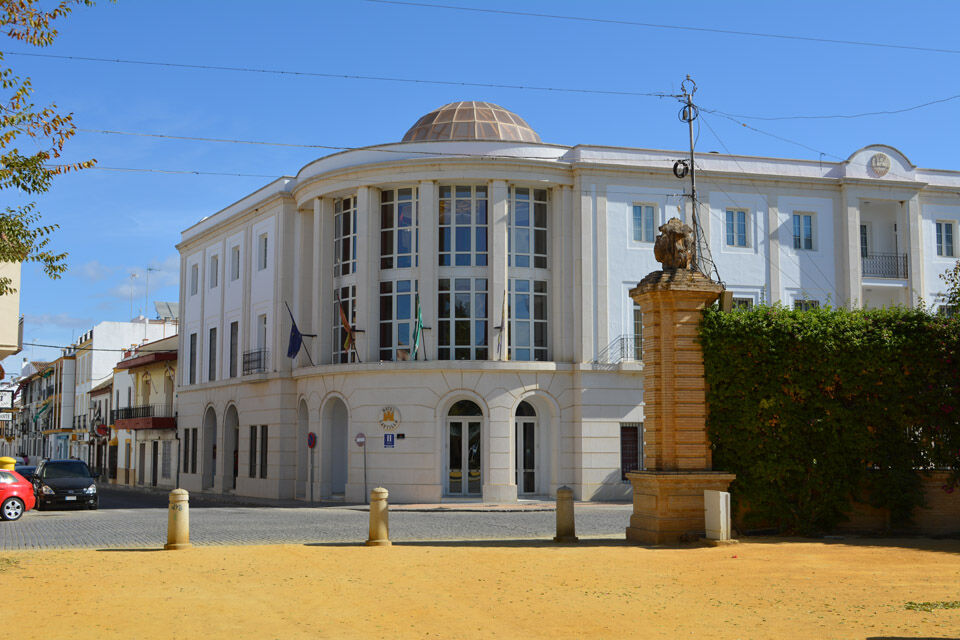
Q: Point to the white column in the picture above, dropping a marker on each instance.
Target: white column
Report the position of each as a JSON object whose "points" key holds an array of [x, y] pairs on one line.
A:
{"points": [[322, 278], [558, 261], [283, 257], [497, 244], [427, 271], [600, 300], [850, 247], [304, 287], [915, 259], [775, 292], [368, 267], [584, 273]]}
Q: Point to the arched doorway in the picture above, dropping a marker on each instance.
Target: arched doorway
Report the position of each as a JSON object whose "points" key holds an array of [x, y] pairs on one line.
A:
{"points": [[463, 437], [209, 447], [335, 454], [303, 452], [231, 446], [527, 440]]}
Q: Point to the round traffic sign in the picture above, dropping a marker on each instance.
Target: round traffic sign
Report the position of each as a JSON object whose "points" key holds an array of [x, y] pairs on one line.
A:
{"points": [[311, 440], [360, 439]]}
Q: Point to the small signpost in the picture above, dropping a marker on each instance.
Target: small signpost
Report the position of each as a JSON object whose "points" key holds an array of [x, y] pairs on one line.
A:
{"points": [[6, 416], [388, 440], [6, 399], [311, 444], [361, 441]]}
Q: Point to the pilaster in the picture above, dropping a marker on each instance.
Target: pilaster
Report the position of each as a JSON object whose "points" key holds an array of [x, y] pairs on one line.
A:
{"points": [[497, 242], [427, 271], [915, 261], [323, 267], [773, 249], [850, 247]]}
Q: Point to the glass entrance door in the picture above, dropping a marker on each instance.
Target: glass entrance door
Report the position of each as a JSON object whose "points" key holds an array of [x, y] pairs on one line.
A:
{"points": [[526, 434], [463, 445]]}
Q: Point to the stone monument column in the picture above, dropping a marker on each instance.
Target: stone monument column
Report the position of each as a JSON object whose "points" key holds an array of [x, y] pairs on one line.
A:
{"points": [[677, 466]]}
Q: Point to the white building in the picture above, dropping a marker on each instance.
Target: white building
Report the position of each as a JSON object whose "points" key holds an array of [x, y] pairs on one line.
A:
{"points": [[472, 212], [97, 352]]}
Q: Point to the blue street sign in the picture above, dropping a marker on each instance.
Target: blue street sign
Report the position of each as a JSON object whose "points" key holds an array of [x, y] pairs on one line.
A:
{"points": [[388, 440]]}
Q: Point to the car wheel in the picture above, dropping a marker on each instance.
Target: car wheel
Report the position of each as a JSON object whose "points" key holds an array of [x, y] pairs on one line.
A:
{"points": [[11, 509], [93, 507]]}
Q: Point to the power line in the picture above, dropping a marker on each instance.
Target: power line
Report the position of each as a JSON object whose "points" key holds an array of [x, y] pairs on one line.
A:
{"points": [[847, 116], [79, 349], [345, 76], [652, 25]]}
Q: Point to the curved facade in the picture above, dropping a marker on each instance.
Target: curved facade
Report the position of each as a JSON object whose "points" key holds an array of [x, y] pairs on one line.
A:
{"points": [[517, 257]]}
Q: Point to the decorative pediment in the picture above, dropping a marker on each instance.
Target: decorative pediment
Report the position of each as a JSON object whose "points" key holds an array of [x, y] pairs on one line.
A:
{"points": [[879, 162]]}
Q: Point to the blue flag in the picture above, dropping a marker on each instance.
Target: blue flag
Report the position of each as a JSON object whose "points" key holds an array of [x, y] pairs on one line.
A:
{"points": [[296, 338]]}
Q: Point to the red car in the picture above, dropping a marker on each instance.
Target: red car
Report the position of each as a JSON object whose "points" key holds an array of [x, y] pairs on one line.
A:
{"points": [[16, 495]]}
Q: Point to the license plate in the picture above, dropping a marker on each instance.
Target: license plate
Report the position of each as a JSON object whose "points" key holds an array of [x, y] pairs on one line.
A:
{"points": [[71, 497]]}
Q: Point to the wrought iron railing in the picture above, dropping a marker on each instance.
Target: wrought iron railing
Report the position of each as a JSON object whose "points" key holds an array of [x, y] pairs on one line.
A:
{"points": [[143, 411], [255, 361], [884, 265], [625, 348]]}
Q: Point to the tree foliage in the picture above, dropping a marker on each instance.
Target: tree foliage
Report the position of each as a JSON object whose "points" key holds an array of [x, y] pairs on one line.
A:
{"points": [[813, 409], [44, 130], [951, 277]]}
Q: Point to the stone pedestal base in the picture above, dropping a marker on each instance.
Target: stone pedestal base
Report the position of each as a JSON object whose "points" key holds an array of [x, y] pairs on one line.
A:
{"points": [[668, 504]]}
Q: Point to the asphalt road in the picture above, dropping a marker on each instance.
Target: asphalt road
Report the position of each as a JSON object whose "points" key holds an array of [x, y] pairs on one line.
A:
{"points": [[134, 519]]}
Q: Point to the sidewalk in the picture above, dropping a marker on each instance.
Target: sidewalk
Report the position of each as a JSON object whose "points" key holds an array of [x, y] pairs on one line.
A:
{"points": [[198, 498]]}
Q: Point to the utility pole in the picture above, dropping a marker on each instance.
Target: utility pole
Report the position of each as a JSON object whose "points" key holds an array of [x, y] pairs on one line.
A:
{"points": [[688, 114], [146, 297]]}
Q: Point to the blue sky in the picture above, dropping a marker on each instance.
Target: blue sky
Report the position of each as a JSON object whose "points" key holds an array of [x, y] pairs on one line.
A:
{"points": [[115, 223]]}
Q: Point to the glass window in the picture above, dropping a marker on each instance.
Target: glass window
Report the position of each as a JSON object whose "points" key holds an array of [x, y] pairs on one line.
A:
{"points": [[165, 459], [262, 331], [344, 236], [643, 223], [806, 305], [631, 448], [945, 239], [263, 450], [803, 231], [462, 316], [864, 241], [193, 361], [214, 271], [462, 218], [194, 279], [743, 303], [262, 252], [253, 451], [213, 355], [527, 239], [398, 317], [344, 321], [235, 262], [736, 227], [527, 313], [234, 341], [399, 238]]}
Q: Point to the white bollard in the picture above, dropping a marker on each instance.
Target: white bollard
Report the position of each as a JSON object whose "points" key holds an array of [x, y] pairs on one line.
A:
{"points": [[716, 507], [178, 521]]}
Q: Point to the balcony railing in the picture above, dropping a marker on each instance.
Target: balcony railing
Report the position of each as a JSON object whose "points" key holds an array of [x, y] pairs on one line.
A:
{"points": [[884, 265], [625, 348], [143, 411], [255, 361]]}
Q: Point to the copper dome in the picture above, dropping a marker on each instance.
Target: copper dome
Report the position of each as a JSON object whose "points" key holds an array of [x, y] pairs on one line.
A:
{"points": [[471, 121]]}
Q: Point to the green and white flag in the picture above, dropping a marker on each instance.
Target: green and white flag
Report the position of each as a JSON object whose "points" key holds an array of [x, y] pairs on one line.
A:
{"points": [[417, 330]]}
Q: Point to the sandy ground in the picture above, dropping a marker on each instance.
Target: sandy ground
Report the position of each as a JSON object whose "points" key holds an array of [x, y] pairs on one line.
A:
{"points": [[598, 589]]}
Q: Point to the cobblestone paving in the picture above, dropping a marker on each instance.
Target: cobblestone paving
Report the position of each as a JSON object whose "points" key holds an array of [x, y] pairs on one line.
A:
{"points": [[142, 521]]}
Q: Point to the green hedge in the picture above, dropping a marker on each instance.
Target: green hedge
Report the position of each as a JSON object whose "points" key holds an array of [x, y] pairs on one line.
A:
{"points": [[813, 409]]}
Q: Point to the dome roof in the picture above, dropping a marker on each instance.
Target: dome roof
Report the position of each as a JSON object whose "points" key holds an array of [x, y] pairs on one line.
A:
{"points": [[471, 121]]}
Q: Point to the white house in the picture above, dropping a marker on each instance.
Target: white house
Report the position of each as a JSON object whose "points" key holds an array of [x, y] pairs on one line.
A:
{"points": [[521, 254]]}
